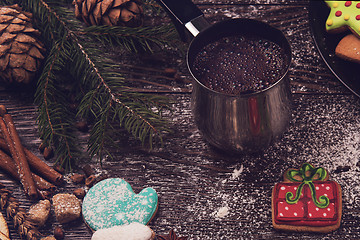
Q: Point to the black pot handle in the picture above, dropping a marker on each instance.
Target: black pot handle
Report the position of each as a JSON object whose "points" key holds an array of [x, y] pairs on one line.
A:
{"points": [[186, 14]]}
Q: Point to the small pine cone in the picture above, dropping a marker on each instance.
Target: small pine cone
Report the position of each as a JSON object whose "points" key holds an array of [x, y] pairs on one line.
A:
{"points": [[4, 198], [28, 230], [21, 53], [12, 207], [109, 12]]}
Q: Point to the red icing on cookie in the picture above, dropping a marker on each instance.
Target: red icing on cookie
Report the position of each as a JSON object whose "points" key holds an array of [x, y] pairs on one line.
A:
{"points": [[348, 4], [286, 211], [338, 13], [358, 5], [315, 212], [305, 212], [325, 189], [288, 188]]}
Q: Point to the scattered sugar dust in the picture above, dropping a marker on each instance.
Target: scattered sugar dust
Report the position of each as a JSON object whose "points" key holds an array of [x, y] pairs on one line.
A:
{"points": [[325, 135], [235, 174]]}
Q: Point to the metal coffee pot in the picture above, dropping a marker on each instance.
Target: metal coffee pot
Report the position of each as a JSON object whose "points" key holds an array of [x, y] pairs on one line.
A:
{"points": [[235, 123]]}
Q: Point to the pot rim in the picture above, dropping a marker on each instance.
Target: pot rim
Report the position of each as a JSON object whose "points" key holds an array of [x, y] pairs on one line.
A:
{"points": [[286, 47]]}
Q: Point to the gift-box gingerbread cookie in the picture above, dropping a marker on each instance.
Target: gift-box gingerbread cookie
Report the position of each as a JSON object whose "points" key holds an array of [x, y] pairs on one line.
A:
{"points": [[306, 201]]}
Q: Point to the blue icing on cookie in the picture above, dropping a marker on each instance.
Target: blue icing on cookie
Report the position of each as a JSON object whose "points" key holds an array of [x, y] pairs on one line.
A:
{"points": [[112, 202]]}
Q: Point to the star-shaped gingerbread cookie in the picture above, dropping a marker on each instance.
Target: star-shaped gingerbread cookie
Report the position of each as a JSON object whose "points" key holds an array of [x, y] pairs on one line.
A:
{"points": [[343, 15]]}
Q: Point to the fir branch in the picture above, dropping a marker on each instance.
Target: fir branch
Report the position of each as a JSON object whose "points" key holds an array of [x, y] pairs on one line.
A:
{"points": [[75, 66], [134, 39], [54, 119], [103, 102]]}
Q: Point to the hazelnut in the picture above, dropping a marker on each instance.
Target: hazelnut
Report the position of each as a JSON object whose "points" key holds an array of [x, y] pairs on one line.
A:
{"points": [[79, 193], [88, 170], [2, 110], [48, 153], [77, 178], [59, 233]]}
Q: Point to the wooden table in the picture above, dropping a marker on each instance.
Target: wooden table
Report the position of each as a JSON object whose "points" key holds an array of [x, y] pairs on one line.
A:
{"points": [[196, 184]]}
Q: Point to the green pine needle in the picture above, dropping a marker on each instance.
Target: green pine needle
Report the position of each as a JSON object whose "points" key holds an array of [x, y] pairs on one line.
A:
{"points": [[74, 67], [134, 39]]}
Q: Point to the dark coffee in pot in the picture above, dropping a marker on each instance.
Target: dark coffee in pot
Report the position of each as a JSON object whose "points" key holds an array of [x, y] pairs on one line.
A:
{"points": [[240, 64]]}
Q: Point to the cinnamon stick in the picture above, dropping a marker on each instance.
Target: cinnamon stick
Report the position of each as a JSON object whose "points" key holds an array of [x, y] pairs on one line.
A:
{"points": [[37, 165], [43, 169], [17, 152], [7, 164], [43, 185], [45, 194]]}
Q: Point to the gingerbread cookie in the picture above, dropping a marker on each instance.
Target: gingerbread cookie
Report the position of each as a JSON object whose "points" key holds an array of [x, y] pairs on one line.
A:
{"points": [[112, 202], [349, 48], [343, 15], [306, 201], [133, 231]]}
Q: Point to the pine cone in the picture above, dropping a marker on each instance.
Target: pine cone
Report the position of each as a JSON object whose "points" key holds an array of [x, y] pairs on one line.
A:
{"points": [[109, 12], [21, 52]]}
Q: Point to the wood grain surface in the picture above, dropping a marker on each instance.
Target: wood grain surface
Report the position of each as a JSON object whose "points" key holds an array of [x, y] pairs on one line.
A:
{"points": [[205, 194]]}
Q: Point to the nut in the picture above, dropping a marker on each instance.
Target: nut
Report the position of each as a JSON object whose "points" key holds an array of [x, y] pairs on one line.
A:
{"points": [[78, 178], [88, 170], [2, 110], [59, 233], [79, 193], [48, 153], [42, 147], [90, 181]]}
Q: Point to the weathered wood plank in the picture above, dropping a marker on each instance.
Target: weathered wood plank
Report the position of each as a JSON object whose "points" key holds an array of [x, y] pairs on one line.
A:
{"points": [[253, 2], [193, 180]]}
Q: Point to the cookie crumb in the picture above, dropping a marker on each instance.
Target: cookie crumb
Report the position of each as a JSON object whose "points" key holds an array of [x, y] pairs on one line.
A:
{"points": [[222, 212]]}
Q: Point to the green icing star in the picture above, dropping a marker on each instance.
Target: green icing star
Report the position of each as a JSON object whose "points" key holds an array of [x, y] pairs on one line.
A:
{"points": [[344, 14]]}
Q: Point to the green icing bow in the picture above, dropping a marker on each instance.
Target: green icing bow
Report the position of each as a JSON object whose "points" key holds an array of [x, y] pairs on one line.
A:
{"points": [[307, 172]]}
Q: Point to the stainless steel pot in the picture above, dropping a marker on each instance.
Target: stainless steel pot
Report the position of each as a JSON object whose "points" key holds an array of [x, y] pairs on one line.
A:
{"points": [[235, 123]]}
